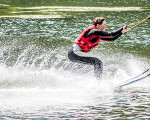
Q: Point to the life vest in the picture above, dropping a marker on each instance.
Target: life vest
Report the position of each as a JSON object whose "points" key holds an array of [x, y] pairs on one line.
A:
{"points": [[85, 43]]}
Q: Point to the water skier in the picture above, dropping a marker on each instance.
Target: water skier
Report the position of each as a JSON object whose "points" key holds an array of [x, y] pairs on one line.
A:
{"points": [[89, 39]]}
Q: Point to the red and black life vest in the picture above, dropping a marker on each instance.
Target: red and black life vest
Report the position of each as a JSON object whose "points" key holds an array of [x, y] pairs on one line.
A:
{"points": [[85, 43]]}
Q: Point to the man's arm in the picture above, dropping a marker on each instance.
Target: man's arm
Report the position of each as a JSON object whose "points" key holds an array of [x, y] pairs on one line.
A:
{"points": [[108, 36]]}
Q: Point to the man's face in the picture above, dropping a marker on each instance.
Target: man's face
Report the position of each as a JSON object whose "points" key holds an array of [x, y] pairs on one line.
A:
{"points": [[102, 26]]}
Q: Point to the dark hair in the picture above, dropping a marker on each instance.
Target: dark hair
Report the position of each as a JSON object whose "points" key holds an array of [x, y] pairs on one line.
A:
{"points": [[98, 20]]}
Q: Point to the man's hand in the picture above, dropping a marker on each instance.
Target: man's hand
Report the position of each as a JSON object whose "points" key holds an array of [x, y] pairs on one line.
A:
{"points": [[125, 29]]}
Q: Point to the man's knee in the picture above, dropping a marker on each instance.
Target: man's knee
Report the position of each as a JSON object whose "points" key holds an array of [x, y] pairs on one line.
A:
{"points": [[98, 62]]}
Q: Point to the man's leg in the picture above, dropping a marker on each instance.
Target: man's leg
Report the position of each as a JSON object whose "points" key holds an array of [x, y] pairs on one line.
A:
{"points": [[98, 68], [82, 57]]}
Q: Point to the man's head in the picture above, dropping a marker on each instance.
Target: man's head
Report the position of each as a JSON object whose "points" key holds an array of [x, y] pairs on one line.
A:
{"points": [[100, 23]]}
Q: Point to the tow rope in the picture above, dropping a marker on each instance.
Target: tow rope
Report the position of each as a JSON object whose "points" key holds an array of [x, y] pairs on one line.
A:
{"points": [[137, 23]]}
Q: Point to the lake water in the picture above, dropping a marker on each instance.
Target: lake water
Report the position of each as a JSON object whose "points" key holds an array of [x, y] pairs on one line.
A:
{"points": [[37, 81]]}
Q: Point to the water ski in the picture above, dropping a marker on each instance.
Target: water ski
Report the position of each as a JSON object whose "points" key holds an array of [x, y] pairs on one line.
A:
{"points": [[138, 77]]}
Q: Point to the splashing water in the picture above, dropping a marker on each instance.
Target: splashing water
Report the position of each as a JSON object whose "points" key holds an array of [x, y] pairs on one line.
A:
{"points": [[31, 84]]}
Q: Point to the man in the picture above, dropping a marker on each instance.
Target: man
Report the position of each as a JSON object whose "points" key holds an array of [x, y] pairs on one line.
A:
{"points": [[89, 39]]}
